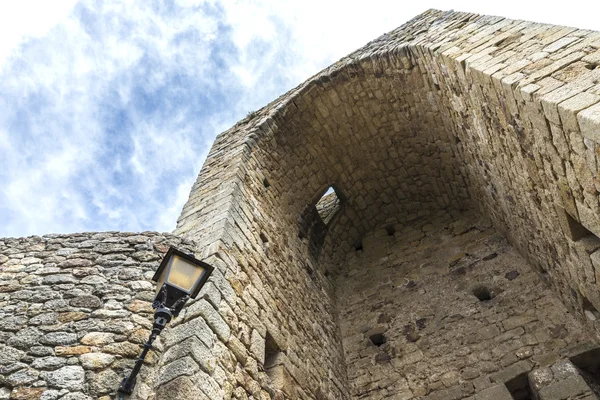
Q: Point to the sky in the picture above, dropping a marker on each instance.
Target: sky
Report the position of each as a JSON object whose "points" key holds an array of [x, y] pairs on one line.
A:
{"points": [[109, 108]]}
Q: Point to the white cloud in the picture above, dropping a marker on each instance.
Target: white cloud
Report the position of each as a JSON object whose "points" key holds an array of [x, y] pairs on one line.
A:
{"points": [[108, 108], [24, 19]]}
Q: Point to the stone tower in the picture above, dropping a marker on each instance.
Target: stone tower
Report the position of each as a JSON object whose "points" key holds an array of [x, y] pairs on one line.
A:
{"points": [[418, 221]]}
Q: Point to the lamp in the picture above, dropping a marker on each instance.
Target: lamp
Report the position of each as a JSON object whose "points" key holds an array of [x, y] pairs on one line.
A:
{"points": [[179, 277]]}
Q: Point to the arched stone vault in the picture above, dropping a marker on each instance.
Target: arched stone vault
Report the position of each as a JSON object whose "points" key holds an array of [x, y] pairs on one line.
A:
{"points": [[449, 112]]}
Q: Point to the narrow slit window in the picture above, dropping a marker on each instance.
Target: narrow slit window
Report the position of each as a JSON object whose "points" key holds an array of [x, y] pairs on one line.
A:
{"points": [[319, 216], [272, 352], [328, 205]]}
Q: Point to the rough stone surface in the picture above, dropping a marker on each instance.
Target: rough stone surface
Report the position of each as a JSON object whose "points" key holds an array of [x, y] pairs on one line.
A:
{"points": [[70, 378], [59, 339], [458, 255]]}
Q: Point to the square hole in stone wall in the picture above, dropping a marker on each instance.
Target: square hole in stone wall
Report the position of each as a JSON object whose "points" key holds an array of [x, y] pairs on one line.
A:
{"points": [[483, 293], [576, 230], [519, 387], [589, 310], [588, 364], [329, 205]]}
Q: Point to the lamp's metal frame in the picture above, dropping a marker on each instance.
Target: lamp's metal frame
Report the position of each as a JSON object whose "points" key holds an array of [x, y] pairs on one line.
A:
{"points": [[164, 313], [173, 251]]}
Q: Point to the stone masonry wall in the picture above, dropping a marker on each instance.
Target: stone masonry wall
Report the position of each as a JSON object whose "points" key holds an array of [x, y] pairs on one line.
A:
{"points": [[414, 328], [74, 311], [450, 112]]}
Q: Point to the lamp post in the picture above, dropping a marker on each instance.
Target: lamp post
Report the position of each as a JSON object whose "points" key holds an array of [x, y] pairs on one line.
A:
{"points": [[179, 277]]}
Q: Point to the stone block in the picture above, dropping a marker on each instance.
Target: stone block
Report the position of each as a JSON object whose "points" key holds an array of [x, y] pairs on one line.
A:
{"points": [[196, 327], [204, 309], [511, 372], [103, 382], [96, 361], [180, 388], [183, 366], [497, 392], [568, 109], [70, 378], [27, 393], [589, 122], [568, 388], [588, 218], [98, 338], [238, 349], [195, 348], [257, 346]]}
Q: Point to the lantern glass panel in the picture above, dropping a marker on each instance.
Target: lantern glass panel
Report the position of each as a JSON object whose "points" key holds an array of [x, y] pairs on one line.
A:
{"points": [[183, 274], [161, 281]]}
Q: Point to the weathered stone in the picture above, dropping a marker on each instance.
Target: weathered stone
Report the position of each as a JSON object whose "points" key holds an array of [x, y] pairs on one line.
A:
{"points": [[87, 301], [59, 338], [110, 313], [14, 323], [104, 382], [58, 278], [76, 396], [75, 263], [70, 378], [96, 360], [192, 347], [565, 389], [145, 256], [10, 368], [129, 273], [72, 316], [50, 394], [72, 351], [180, 388], [4, 393], [589, 122], [138, 306], [124, 349], [48, 363], [44, 319], [41, 351], [196, 327], [22, 377], [139, 336], [23, 393], [25, 338], [182, 366], [9, 355], [498, 392], [97, 338], [211, 316], [94, 280]]}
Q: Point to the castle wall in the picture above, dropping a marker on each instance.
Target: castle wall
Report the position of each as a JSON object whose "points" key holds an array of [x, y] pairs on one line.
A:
{"points": [[412, 325], [450, 112], [453, 112], [74, 310]]}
